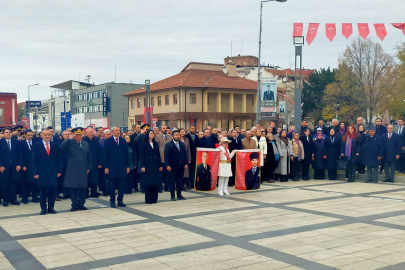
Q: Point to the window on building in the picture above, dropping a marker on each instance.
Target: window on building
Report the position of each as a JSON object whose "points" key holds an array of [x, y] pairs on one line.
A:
{"points": [[78, 110], [152, 101], [193, 99], [93, 108], [174, 99], [79, 97], [83, 109], [100, 108], [95, 95], [159, 101], [133, 104], [138, 103], [253, 101], [166, 99], [208, 99]]}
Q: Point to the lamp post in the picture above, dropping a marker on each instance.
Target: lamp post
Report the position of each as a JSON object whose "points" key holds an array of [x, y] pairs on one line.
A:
{"points": [[258, 107], [28, 106], [123, 118], [147, 101], [298, 43]]}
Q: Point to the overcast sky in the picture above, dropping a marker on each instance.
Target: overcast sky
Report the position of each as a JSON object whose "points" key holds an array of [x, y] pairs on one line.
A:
{"points": [[49, 42]]}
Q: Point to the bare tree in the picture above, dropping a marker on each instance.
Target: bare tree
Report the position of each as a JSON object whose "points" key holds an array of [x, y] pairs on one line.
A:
{"points": [[370, 64]]}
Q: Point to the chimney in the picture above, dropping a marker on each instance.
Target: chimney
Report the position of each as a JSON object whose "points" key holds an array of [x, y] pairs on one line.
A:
{"points": [[231, 68]]}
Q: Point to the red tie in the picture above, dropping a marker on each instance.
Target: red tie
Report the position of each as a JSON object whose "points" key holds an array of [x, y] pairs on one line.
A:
{"points": [[47, 148], [116, 140], [389, 136]]}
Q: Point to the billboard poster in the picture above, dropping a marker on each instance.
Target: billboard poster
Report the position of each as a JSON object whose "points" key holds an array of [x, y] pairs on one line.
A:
{"points": [[281, 107], [248, 169], [206, 172], [268, 93]]}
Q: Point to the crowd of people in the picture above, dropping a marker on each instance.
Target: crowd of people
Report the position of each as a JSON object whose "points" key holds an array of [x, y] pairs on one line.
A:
{"points": [[82, 163]]}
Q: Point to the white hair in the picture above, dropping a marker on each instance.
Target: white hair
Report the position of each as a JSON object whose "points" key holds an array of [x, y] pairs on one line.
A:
{"points": [[106, 130]]}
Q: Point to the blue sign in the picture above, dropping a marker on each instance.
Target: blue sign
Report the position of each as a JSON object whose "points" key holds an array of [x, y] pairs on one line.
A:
{"points": [[33, 104], [67, 120]]}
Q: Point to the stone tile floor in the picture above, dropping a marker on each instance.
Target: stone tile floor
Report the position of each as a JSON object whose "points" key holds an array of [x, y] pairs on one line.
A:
{"points": [[289, 226]]}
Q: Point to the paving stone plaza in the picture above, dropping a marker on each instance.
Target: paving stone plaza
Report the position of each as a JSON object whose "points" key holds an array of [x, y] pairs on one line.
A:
{"points": [[296, 225]]}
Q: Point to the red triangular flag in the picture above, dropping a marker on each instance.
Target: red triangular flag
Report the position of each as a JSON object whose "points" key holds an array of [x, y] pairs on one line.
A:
{"points": [[364, 31], [330, 31], [298, 30], [347, 30], [312, 31], [380, 30], [399, 26]]}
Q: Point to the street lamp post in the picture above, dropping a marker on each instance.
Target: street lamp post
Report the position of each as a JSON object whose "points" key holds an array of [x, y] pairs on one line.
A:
{"points": [[123, 118], [28, 106], [298, 43], [148, 101], [258, 107]]}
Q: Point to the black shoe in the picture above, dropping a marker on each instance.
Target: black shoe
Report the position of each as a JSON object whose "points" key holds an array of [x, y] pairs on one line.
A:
{"points": [[87, 196], [180, 197], [376, 182], [52, 211], [387, 181], [43, 212], [58, 196], [392, 181], [94, 196], [15, 203], [160, 191], [113, 205], [136, 190], [99, 194], [166, 189], [368, 181], [105, 194], [173, 198], [82, 207], [184, 189], [122, 204], [74, 208], [64, 197], [188, 186], [5, 204]]}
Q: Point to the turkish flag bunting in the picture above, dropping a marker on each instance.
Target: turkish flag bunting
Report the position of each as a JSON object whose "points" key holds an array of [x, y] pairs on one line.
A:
{"points": [[399, 26], [347, 30], [380, 30], [330, 31], [364, 31], [312, 31], [298, 30]]}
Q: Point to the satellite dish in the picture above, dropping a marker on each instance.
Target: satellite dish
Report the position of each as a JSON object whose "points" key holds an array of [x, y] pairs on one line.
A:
{"points": [[284, 79]]}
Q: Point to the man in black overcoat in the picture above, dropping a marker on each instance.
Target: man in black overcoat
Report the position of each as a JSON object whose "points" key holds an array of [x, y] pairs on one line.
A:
{"points": [[252, 178], [236, 144], [373, 152], [379, 131], [116, 166], [11, 162], [46, 167], [207, 141], [79, 166], [194, 143], [391, 143], [96, 161], [29, 183], [176, 162]]}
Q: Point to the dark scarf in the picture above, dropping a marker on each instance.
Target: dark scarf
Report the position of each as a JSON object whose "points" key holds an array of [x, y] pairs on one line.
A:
{"points": [[284, 140]]}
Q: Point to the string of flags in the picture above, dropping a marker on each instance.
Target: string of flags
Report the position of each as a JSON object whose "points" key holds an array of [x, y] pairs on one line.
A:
{"points": [[347, 30]]}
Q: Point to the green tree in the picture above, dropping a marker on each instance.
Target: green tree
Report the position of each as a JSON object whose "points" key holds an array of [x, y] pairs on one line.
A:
{"points": [[21, 113], [313, 92], [344, 99]]}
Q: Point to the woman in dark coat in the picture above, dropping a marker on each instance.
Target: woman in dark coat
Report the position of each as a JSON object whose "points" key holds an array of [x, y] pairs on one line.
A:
{"points": [[270, 162], [317, 156], [342, 129], [332, 153], [360, 167], [151, 167], [308, 143], [132, 166], [350, 150]]}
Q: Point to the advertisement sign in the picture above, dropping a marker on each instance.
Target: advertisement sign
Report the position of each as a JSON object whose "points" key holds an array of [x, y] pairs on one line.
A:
{"points": [[106, 101], [33, 104], [281, 107], [268, 92], [24, 122], [77, 120], [248, 169], [206, 172]]}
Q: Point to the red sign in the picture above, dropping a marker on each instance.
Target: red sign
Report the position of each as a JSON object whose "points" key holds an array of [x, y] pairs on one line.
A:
{"points": [[206, 173], [268, 109], [24, 122], [247, 169]]}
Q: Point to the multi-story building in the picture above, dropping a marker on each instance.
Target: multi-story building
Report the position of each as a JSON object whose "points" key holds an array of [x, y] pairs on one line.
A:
{"points": [[201, 94], [8, 109]]}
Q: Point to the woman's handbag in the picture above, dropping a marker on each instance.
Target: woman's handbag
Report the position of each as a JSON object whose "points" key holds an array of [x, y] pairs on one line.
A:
{"points": [[342, 164], [277, 157]]}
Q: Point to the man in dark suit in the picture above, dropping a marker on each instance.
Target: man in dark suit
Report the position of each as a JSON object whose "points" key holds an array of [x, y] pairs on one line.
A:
{"points": [[392, 151], [252, 178], [65, 160], [96, 161], [204, 177], [116, 166], [29, 183], [400, 130], [138, 139], [79, 166], [236, 144], [379, 131], [194, 143], [46, 167], [102, 176], [11, 162], [207, 141], [373, 153], [321, 125], [268, 94], [54, 138], [176, 161]]}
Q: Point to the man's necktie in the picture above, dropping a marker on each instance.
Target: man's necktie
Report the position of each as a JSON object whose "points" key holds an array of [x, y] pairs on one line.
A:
{"points": [[116, 140], [165, 137], [389, 136], [400, 130], [80, 144], [9, 145], [178, 146], [47, 148], [254, 170]]}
